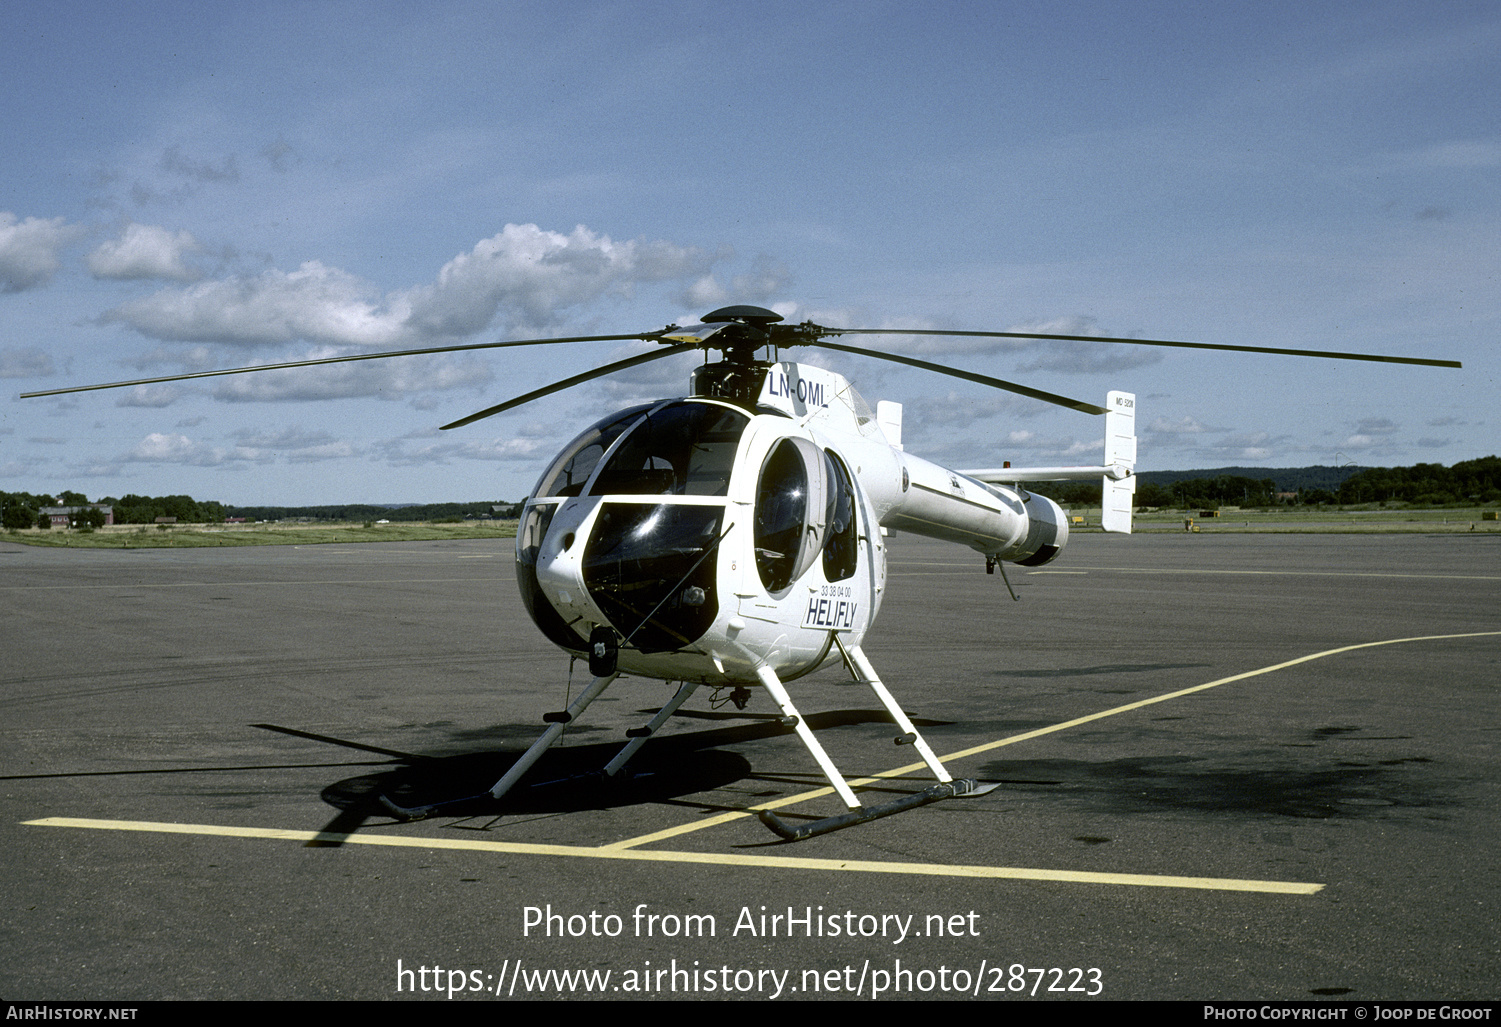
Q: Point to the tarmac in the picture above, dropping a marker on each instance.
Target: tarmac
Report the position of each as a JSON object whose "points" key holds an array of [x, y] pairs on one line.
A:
{"points": [[1255, 767]]}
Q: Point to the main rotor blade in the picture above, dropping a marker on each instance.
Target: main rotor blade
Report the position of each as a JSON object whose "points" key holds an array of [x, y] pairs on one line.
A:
{"points": [[996, 383], [1328, 354], [568, 383], [343, 360]]}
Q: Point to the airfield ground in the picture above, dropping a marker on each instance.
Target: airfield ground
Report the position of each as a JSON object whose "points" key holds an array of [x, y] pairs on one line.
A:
{"points": [[1236, 766]]}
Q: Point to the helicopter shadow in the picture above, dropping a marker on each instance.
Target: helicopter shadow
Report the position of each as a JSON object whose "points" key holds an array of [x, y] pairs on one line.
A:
{"points": [[571, 779]]}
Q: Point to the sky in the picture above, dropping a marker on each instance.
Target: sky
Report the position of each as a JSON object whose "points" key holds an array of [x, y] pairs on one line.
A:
{"points": [[192, 186]]}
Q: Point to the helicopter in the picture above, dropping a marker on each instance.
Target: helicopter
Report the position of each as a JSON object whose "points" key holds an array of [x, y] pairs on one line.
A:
{"points": [[736, 537]]}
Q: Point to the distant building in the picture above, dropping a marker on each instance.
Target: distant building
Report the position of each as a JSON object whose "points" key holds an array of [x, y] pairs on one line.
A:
{"points": [[62, 516]]}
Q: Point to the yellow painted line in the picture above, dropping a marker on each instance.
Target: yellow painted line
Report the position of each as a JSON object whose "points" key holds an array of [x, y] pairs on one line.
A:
{"points": [[709, 858], [626, 849], [1199, 688], [725, 818], [700, 825], [896, 573], [1299, 574]]}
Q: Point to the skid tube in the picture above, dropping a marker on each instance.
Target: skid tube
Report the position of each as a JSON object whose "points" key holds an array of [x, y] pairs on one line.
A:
{"points": [[860, 668], [865, 814]]}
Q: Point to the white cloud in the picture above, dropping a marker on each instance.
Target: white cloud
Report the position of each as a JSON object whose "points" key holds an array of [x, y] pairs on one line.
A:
{"points": [[658, 379], [295, 445], [703, 294], [530, 274], [290, 445], [315, 302], [403, 452], [161, 448], [1185, 425], [1247, 446], [1090, 358], [1065, 357], [536, 274], [956, 411], [29, 250], [384, 379], [765, 279], [145, 251], [152, 396]]}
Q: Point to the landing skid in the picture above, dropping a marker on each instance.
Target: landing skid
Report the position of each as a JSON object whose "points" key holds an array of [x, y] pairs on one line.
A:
{"points": [[865, 814], [859, 667], [862, 671]]}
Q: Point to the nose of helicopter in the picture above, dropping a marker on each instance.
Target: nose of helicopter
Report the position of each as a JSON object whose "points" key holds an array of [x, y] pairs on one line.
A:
{"points": [[645, 569], [557, 568]]}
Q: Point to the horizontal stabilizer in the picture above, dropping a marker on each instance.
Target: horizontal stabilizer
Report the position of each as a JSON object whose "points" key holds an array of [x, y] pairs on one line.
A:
{"points": [[1009, 475], [1117, 473]]}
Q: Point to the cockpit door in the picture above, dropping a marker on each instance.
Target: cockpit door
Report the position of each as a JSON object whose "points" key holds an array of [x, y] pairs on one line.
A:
{"points": [[791, 511]]}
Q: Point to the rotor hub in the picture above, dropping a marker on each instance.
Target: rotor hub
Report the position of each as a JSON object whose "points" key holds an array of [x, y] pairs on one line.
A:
{"points": [[744, 313]]}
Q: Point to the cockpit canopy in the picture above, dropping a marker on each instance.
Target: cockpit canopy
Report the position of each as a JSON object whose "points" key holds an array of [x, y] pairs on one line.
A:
{"points": [[674, 448], [660, 476]]}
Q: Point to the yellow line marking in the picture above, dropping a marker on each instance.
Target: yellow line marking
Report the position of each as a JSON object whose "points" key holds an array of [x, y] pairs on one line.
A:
{"points": [[717, 859], [896, 571], [1013, 739], [1296, 574], [1199, 688], [626, 850]]}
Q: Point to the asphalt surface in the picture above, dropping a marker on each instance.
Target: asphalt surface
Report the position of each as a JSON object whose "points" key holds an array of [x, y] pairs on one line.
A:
{"points": [[192, 744]]}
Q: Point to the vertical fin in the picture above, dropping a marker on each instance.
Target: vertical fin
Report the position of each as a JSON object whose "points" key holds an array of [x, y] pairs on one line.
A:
{"points": [[1118, 494]]}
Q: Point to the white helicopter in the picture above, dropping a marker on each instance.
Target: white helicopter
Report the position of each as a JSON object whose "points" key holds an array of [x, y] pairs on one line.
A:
{"points": [[735, 537]]}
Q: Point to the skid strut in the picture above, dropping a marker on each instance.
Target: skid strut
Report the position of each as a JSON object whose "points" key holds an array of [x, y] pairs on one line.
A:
{"points": [[860, 668], [639, 735], [556, 723], [554, 729]]}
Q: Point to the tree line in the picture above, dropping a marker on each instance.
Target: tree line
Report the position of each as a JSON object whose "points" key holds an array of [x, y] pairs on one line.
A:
{"points": [[1469, 481], [24, 510], [370, 512]]}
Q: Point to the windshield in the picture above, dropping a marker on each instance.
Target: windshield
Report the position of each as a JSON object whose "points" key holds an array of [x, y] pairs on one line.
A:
{"points": [[684, 448], [570, 471]]}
